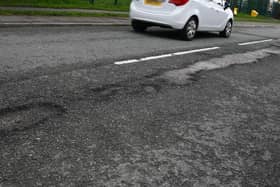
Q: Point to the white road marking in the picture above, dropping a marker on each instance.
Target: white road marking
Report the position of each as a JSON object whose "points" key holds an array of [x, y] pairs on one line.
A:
{"points": [[165, 56], [126, 61], [156, 57], [255, 42], [196, 51]]}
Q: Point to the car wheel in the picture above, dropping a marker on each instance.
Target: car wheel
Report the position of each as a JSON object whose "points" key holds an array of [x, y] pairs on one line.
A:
{"points": [[189, 31], [227, 31], [138, 26]]}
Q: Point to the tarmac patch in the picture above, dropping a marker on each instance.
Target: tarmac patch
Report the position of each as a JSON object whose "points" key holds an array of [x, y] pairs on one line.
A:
{"points": [[139, 87], [184, 76], [23, 117]]}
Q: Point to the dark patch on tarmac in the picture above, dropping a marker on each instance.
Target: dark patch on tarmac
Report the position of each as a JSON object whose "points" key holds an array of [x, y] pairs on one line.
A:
{"points": [[27, 116], [138, 87]]}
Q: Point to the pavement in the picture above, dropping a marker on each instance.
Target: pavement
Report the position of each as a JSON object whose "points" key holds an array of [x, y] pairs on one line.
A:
{"points": [[82, 21], [88, 21], [79, 21], [60, 21], [104, 106]]}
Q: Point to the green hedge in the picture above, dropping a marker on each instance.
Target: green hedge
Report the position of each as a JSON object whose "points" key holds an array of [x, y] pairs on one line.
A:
{"points": [[276, 10]]}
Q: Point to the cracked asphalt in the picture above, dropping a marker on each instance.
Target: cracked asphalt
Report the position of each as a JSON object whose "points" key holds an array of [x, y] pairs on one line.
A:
{"points": [[70, 117]]}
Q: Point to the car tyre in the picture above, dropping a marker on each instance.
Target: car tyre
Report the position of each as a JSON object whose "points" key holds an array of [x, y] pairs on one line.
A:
{"points": [[189, 31], [138, 26], [227, 31]]}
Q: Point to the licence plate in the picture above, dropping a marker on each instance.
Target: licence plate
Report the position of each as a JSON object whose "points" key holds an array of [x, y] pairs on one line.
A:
{"points": [[154, 2]]}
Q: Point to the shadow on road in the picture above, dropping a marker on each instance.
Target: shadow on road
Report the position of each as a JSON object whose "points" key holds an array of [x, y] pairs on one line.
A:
{"points": [[174, 34]]}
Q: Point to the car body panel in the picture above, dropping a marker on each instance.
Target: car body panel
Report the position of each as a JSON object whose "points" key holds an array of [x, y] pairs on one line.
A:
{"points": [[210, 13]]}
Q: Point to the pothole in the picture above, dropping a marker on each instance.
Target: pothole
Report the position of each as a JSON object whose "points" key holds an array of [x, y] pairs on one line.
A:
{"points": [[106, 92], [23, 117]]}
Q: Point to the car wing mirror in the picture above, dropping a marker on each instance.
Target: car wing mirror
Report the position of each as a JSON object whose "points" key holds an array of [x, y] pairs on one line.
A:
{"points": [[227, 5]]}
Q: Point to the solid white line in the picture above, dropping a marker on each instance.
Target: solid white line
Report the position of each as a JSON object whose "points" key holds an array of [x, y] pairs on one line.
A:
{"points": [[195, 51], [126, 61], [164, 56], [156, 57], [255, 42]]}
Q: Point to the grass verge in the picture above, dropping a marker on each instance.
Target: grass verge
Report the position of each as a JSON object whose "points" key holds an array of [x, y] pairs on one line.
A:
{"points": [[57, 13], [122, 5], [248, 18]]}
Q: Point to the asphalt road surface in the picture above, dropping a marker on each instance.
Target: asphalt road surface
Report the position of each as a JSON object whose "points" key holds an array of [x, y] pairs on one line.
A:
{"points": [[104, 106]]}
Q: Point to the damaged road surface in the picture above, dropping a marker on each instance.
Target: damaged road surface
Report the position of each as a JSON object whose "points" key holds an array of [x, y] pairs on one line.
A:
{"points": [[70, 116]]}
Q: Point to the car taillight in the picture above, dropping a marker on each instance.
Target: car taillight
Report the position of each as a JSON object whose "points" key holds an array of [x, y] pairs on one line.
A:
{"points": [[178, 2]]}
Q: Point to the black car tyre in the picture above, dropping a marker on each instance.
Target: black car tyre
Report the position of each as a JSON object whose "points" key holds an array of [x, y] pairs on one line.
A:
{"points": [[227, 31], [189, 31], [138, 26]]}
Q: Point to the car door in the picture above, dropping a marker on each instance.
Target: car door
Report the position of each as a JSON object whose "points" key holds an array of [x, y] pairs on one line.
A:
{"points": [[219, 14], [207, 14]]}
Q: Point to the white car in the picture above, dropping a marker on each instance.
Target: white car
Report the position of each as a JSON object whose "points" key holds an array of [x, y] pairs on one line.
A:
{"points": [[188, 16]]}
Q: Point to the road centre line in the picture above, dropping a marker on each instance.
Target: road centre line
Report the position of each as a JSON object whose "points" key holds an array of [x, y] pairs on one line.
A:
{"points": [[255, 42], [195, 51], [165, 56], [183, 53], [156, 57]]}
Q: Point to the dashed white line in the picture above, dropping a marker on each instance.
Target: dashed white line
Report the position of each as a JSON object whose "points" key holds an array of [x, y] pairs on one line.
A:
{"points": [[183, 53], [195, 51], [155, 57], [164, 56], [255, 42], [126, 61]]}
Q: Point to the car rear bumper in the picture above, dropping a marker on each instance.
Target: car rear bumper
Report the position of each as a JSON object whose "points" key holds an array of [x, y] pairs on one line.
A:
{"points": [[172, 19]]}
